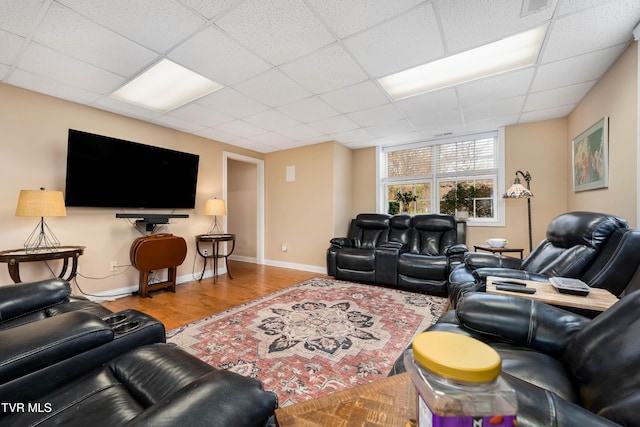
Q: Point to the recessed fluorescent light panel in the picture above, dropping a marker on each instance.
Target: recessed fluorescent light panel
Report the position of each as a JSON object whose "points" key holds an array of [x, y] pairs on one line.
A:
{"points": [[511, 53], [165, 86]]}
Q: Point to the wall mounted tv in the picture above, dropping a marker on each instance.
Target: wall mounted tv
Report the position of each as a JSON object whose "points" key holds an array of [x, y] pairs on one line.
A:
{"points": [[112, 173]]}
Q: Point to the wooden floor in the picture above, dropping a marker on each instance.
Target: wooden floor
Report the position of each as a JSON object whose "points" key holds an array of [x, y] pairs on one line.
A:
{"points": [[195, 300]]}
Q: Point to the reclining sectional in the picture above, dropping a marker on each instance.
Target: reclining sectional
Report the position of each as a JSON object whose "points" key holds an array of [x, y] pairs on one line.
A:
{"points": [[567, 370], [598, 248], [415, 253], [68, 361]]}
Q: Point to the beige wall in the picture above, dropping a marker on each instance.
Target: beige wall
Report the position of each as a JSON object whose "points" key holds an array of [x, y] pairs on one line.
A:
{"points": [[342, 187], [242, 209], [364, 181], [299, 213], [33, 154], [614, 96]]}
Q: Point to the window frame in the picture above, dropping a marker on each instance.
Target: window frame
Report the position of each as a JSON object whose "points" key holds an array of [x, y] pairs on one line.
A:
{"points": [[435, 178]]}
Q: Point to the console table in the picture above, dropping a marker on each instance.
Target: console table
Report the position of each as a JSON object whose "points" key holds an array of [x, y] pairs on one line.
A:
{"points": [[14, 257], [215, 240]]}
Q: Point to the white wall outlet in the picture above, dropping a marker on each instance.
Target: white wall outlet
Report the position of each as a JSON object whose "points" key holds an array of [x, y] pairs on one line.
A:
{"points": [[284, 247], [113, 265], [205, 252]]}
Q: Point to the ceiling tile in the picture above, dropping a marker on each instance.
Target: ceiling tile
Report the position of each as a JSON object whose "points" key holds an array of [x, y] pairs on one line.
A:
{"points": [[271, 138], [69, 33], [546, 114], [19, 17], [443, 121], [575, 70], [406, 41], [334, 124], [208, 8], [272, 120], [388, 129], [179, 124], [300, 132], [4, 69], [218, 135], [309, 110], [503, 86], [557, 97], [592, 29], [52, 64], [470, 24], [201, 115], [11, 45], [214, 55], [233, 103], [277, 30], [132, 19], [377, 115], [124, 108], [240, 128], [428, 103], [349, 17], [358, 97], [273, 88], [51, 87], [354, 135], [328, 69], [492, 109]]}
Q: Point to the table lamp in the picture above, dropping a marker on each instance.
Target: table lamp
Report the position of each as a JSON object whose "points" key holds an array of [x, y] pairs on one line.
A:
{"points": [[215, 207], [517, 191], [41, 203]]}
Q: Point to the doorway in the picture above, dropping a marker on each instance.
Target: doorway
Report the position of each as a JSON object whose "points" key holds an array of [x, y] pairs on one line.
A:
{"points": [[243, 189]]}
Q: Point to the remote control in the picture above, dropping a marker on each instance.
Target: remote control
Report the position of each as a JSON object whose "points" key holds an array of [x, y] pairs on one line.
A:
{"points": [[516, 288], [508, 282]]}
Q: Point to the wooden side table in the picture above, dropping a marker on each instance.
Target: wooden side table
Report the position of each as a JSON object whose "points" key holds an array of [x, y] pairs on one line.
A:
{"points": [[215, 240], [498, 251], [14, 257], [388, 402], [597, 300]]}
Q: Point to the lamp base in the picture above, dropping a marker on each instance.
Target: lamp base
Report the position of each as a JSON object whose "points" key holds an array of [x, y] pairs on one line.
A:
{"points": [[41, 239], [215, 227]]}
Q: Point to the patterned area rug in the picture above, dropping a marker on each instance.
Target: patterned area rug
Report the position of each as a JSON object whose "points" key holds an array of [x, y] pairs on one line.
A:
{"points": [[314, 338]]}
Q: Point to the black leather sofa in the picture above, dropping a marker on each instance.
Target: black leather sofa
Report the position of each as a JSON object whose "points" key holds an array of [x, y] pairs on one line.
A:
{"points": [[568, 370], [415, 253], [598, 248], [67, 366], [28, 302]]}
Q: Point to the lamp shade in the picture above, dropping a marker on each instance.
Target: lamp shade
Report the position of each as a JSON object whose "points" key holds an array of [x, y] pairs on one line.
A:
{"points": [[40, 203], [216, 207], [517, 191]]}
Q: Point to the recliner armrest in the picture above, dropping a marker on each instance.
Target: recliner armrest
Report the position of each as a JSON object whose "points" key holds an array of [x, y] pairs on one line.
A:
{"points": [[459, 248], [341, 242], [481, 274], [475, 260], [19, 299], [36, 345], [529, 323]]}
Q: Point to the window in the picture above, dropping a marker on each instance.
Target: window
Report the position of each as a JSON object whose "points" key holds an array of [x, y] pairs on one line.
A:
{"points": [[455, 176]]}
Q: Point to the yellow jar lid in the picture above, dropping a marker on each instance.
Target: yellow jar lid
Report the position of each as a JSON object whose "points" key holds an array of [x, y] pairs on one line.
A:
{"points": [[457, 357]]}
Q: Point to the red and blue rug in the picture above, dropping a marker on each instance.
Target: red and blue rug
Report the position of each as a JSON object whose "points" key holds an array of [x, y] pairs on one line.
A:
{"points": [[314, 338]]}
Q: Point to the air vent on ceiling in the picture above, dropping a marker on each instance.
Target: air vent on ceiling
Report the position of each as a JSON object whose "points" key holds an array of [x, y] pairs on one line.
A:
{"points": [[533, 6]]}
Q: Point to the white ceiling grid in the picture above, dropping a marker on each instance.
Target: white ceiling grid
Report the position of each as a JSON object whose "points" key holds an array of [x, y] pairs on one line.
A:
{"points": [[299, 72]]}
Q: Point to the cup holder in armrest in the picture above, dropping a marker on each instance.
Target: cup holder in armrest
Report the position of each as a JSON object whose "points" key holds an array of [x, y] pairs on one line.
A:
{"points": [[126, 327], [115, 319]]}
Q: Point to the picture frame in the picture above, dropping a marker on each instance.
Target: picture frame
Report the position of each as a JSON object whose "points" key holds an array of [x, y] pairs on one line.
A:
{"points": [[590, 157]]}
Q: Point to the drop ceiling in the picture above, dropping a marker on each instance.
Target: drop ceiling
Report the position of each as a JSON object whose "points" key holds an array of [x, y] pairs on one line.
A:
{"points": [[300, 72]]}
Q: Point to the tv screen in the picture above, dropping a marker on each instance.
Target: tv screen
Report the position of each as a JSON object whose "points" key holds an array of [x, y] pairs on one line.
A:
{"points": [[112, 173]]}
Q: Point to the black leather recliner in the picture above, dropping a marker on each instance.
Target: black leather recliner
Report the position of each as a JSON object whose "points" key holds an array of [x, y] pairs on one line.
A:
{"points": [[77, 369], [574, 242], [28, 302], [567, 370]]}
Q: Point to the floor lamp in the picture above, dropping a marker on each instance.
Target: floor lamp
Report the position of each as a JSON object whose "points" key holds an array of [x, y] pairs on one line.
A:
{"points": [[517, 191]]}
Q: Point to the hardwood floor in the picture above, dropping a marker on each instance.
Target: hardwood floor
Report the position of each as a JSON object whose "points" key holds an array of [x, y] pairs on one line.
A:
{"points": [[195, 300]]}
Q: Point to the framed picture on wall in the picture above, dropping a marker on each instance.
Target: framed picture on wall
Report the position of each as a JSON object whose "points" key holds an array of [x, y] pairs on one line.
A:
{"points": [[591, 157]]}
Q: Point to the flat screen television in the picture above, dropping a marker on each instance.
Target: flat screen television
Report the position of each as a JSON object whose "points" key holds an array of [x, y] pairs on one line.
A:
{"points": [[108, 172]]}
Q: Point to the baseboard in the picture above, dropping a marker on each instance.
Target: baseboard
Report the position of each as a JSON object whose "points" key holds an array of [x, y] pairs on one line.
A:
{"points": [[293, 266], [126, 291]]}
